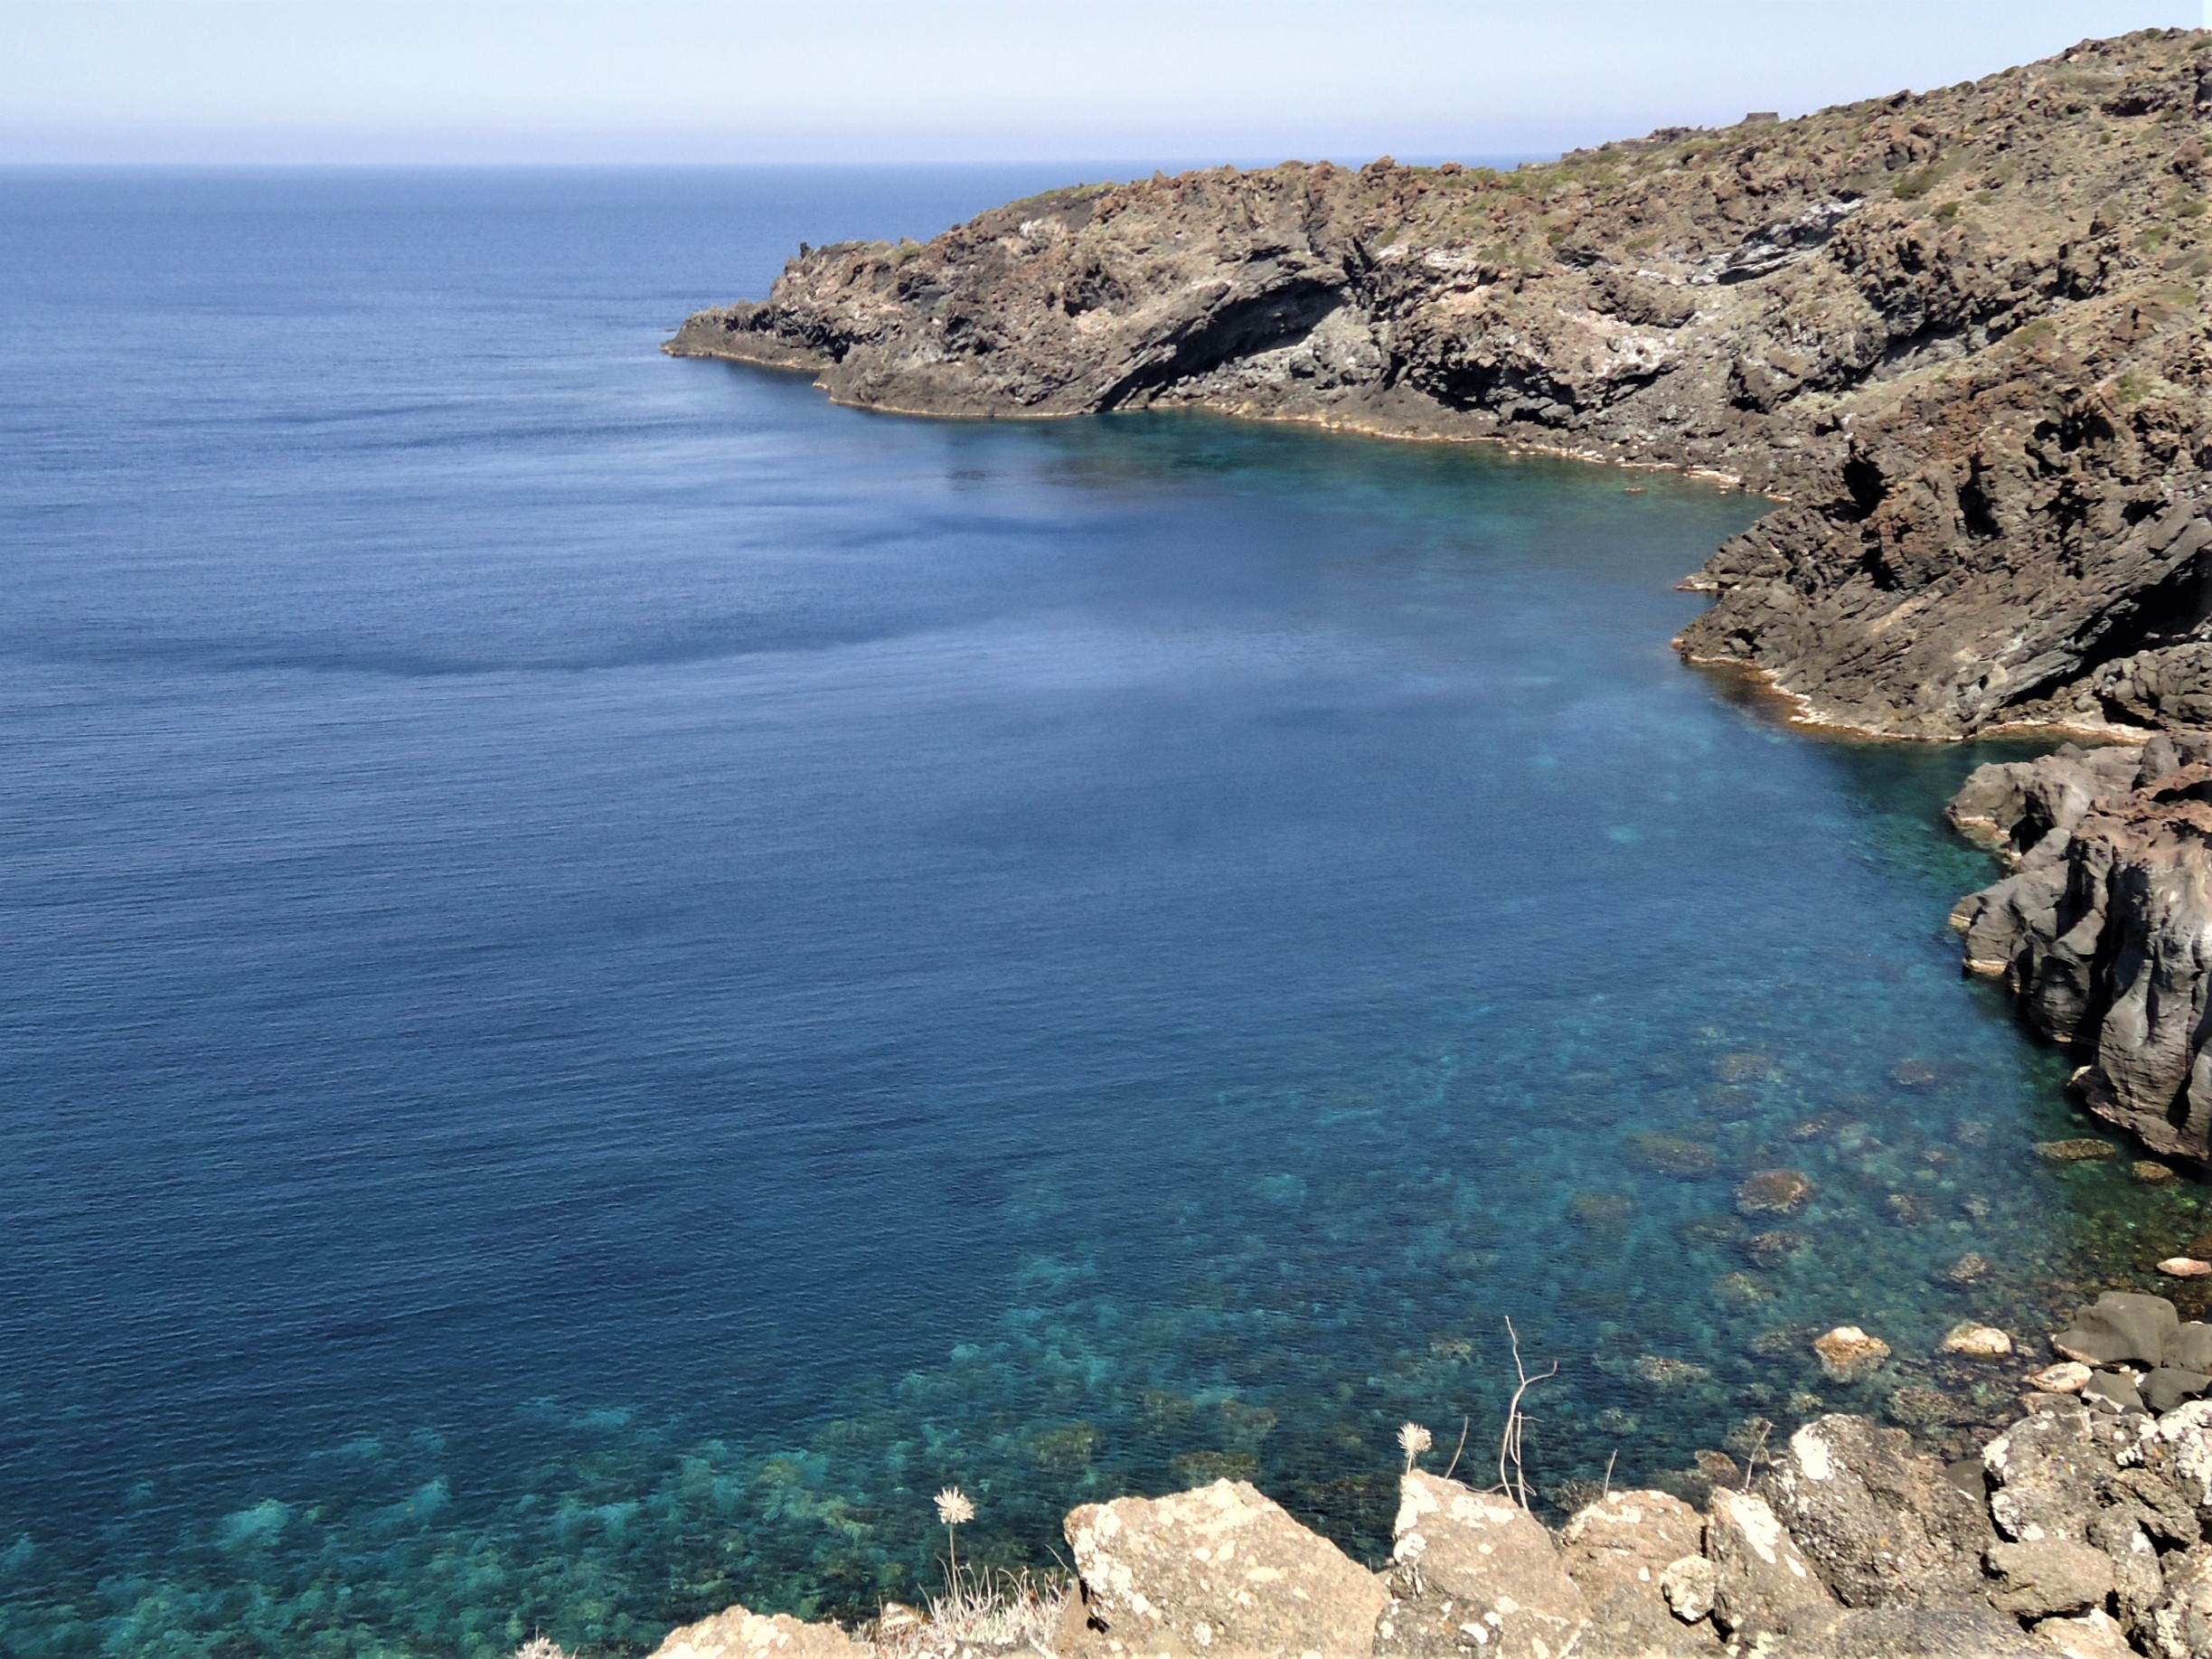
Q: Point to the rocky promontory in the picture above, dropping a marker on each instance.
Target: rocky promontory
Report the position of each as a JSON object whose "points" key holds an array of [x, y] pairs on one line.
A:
{"points": [[1959, 334]]}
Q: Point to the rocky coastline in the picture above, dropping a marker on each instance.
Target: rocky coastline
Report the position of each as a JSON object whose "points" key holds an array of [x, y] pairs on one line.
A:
{"points": [[1959, 334], [2082, 1530]]}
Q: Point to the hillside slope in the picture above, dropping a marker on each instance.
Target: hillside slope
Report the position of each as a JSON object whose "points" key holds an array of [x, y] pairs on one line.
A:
{"points": [[1961, 333]]}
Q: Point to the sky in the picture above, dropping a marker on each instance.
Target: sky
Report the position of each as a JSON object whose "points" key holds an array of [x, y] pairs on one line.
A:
{"points": [[629, 82]]}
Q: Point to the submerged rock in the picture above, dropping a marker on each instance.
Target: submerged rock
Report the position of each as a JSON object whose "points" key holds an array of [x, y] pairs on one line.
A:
{"points": [[1774, 1191], [1848, 1354], [1983, 1341]]}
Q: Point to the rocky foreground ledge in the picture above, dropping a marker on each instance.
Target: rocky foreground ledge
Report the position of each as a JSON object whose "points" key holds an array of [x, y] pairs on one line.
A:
{"points": [[2083, 1531], [1963, 332]]}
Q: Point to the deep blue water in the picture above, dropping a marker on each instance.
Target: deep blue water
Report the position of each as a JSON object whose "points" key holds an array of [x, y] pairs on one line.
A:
{"points": [[613, 974]]}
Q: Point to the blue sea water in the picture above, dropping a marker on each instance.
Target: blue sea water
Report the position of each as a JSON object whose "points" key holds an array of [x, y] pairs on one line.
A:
{"points": [[613, 974]]}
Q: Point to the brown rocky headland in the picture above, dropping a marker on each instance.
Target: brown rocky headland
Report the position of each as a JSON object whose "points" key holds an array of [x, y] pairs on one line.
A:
{"points": [[1961, 334]]}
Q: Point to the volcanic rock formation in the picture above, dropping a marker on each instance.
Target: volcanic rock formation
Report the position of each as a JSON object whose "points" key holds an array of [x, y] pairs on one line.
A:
{"points": [[2103, 928], [1961, 334]]}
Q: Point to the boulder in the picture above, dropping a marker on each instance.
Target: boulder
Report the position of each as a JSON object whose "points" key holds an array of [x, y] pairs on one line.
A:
{"points": [[2122, 1328], [2050, 1469], [2095, 1635], [2189, 1347], [1762, 1584], [1905, 1633], [2168, 1386], [739, 1633], [2050, 1576], [2181, 1626], [2179, 1446], [2066, 1377], [1618, 1551], [2111, 1389], [1223, 1571], [1474, 1572], [1689, 1586], [1882, 1523]]}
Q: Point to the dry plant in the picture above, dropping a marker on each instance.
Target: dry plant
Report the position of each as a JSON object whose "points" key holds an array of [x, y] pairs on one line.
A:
{"points": [[954, 1511], [1516, 1484], [1011, 1608], [1413, 1440]]}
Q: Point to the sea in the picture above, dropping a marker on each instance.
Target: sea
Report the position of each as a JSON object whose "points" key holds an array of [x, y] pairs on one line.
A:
{"points": [[613, 975]]}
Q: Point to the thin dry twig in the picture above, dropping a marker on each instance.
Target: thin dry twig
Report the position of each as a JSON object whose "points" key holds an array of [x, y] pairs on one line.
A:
{"points": [[1463, 1423], [1510, 1443]]}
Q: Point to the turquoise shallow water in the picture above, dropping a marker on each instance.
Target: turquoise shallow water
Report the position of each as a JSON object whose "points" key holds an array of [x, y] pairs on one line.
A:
{"points": [[615, 973]]}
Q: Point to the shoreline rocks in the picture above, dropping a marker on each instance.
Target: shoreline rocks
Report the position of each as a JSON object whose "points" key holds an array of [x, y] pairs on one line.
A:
{"points": [[2082, 1527]]}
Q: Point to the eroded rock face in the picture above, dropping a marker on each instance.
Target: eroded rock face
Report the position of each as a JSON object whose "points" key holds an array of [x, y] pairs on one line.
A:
{"points": [[1764, 1587], [736, 1632], [1959, 329], [1618, 1551], [1883, 1523], [1223, 1571], [1474, 1572], [2103, 930]]}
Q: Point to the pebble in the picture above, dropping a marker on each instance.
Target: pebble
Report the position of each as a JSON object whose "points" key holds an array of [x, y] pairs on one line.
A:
{"points": [[1981, 1341], [2066, 1377], [2184, 1266]]}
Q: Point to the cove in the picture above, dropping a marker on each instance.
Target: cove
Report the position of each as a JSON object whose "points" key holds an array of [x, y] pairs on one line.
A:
{"points": [[616, 973]]}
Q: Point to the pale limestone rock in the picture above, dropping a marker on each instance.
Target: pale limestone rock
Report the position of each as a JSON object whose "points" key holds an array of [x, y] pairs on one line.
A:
{"points": [[1984, 1342], [2095, 1635], [1619, 1550], [1222, 1571], [2066, 1377], [1764, 1584], [1475, 1573], [739, 1633]]}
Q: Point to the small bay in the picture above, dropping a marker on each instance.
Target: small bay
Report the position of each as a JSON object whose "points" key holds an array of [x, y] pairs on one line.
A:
{"points": [[614, 973]]}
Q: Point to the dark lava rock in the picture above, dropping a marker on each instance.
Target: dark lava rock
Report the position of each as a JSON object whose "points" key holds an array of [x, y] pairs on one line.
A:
{"points": [[2189, 1347], [2167, 1387], [2115, 1390], [2122, 1328]]}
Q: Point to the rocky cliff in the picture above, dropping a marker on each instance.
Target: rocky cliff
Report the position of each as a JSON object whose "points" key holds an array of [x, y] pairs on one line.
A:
{"points": [[2103, 928], [1961, 333]]}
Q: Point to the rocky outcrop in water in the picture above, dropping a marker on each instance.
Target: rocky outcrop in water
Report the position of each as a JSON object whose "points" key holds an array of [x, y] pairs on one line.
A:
{"points": [[2103, 927], [1962, 333]]}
